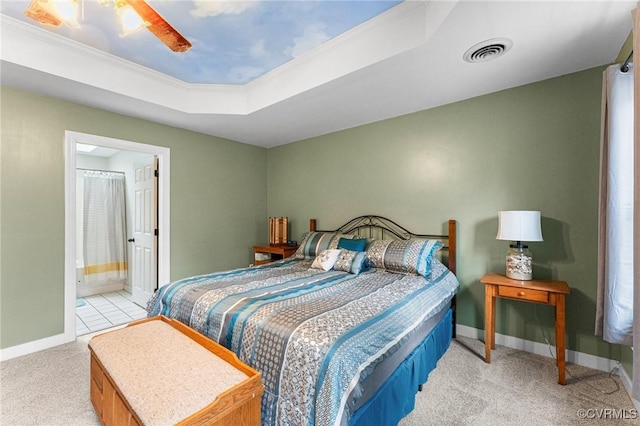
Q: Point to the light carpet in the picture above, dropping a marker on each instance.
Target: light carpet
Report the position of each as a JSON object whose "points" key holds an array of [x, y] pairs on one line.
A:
{"points": [[51, 388]]}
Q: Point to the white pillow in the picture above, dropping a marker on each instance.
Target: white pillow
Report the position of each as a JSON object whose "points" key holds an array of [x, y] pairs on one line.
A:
{"points": [[326, 259]]}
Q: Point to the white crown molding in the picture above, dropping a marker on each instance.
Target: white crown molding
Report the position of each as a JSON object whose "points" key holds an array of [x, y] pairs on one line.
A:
{"points": [[36, 48], [338, 85], [402, 28]]}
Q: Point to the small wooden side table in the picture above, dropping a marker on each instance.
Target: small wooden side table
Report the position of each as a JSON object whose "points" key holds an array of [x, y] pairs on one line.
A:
{"points": [[277, 252], [549, 292]]}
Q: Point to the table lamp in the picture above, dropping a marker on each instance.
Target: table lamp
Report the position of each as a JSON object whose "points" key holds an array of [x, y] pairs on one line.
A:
{"points": [[519, 226]]}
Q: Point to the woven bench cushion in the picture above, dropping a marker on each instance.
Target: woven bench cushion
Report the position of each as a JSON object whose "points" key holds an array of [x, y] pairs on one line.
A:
{"points": [[163, 374]]}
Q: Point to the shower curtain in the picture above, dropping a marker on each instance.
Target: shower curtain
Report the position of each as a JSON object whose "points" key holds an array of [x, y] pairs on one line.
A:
{"points": [[104, 227]]}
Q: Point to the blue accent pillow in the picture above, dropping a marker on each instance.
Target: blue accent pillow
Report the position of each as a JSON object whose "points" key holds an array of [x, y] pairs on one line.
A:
{"points": [[356, 244]]}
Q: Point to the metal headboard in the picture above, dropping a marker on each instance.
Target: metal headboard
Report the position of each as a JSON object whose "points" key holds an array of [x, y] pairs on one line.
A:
{"points": [[372, 226]]}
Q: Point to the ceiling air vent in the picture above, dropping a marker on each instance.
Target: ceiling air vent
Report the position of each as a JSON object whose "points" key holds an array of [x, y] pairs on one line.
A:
{"points": [[488, 50]]}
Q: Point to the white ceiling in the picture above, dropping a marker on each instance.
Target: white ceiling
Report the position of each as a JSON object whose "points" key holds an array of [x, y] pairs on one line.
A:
{"points": [[407, 59]]}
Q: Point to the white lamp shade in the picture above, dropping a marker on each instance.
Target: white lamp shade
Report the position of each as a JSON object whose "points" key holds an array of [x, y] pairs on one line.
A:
{"points": [[519, 225]]}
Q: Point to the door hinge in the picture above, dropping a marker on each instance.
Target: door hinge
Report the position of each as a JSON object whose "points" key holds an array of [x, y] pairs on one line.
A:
{"points": [[156, 173], [155, 232]]}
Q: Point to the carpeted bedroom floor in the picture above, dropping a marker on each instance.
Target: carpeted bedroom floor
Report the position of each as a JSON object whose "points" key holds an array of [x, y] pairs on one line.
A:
{"points": [[52, 388]]}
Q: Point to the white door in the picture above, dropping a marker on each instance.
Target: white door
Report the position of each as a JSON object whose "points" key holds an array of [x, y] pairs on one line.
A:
{"points": [[145, 228]]}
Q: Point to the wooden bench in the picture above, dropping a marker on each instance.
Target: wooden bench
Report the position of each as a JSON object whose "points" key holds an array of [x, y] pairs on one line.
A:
{"points": [[158, 371]]}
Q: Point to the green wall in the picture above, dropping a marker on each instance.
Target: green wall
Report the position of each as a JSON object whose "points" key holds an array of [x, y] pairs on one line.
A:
{"points": [[534, 147], [531, 147], [218, 203]]}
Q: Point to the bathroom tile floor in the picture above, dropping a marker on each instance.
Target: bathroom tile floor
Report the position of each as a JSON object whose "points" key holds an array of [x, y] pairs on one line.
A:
{"points": [[102, 311]]}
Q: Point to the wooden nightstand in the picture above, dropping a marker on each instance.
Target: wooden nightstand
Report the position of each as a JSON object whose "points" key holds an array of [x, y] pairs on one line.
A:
{"points": [[549, 292], [277, 252]]}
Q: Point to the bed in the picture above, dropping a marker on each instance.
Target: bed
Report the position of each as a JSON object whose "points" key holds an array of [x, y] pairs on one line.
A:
{"points": [[344, 332]]}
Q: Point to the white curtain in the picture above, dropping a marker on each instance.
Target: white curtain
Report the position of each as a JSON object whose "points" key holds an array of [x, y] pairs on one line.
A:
{"points": [[635, 392], [104, 227], [614, 309]]}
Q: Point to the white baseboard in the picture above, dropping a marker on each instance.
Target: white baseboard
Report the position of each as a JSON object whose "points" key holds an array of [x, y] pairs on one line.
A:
{"points": [[107, 286], [627, 383], [35, 346], [574, 357], [579, 358]]}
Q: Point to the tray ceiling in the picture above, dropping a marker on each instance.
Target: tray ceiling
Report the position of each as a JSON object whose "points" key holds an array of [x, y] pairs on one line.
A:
{"points": [[384, 61]]}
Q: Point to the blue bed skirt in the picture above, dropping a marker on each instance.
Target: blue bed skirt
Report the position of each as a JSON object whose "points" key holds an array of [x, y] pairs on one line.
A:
{"points": [[396, 397]]}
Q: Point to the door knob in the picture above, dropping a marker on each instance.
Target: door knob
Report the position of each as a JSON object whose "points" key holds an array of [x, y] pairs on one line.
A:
{"points": [[131, 240]]}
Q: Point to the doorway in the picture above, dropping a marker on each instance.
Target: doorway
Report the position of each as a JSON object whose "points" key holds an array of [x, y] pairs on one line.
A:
{"points": [[136, 150]]}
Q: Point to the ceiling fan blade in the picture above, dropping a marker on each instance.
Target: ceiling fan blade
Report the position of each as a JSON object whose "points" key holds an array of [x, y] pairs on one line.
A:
{"points": [[39, 14], [160, 27]]}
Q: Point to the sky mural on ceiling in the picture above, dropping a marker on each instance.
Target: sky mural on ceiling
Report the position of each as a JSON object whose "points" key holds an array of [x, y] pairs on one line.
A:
{"points": [[233, 42]]}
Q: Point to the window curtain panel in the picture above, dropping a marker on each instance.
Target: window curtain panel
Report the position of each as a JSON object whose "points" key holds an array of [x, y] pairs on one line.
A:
{"points": [[104, 227], [614, 309], [635, 391]]}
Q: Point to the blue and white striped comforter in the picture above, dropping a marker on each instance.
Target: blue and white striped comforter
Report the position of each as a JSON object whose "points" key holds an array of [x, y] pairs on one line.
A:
{"points": [[312, 334]]}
